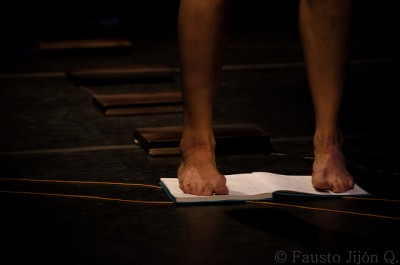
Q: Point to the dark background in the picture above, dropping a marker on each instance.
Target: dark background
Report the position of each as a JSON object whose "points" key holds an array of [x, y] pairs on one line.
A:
{"points": [[24, 23], [48, 126]]}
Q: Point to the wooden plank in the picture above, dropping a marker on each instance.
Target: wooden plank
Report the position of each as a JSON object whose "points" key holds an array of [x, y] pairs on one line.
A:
{"points": [[230, 139], [74, 44], [83, 47], [121, 75], [139, 103]]}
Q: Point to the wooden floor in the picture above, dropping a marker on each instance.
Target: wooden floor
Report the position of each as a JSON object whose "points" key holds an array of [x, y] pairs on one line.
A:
{"points": [[76, 189]]}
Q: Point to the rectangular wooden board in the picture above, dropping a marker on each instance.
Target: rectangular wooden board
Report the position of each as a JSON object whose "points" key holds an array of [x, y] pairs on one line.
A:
{"points": [[139, 103], [75, 44], [230, 139], [121, 75]]}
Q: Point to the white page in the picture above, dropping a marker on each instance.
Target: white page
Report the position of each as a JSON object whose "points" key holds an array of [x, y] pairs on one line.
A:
{"points": [[279, 182], [298, 183], [238, 185], [173, 186], [245, 184]]}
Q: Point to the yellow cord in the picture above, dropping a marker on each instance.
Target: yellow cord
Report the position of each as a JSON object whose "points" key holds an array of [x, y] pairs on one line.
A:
{"points": [[170, 203], [322, 209], [151, 186], [82, 182], [83, 197], [371, 199]]}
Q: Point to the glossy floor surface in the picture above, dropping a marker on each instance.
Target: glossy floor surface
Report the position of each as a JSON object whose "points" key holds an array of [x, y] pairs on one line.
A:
{"points": [[65, 167]]}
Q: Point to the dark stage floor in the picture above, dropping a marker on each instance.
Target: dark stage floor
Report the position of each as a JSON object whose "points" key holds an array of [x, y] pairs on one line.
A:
{"points": [[65, 167]]}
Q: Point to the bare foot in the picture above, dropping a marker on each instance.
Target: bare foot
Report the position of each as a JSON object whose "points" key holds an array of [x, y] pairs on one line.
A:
{"points": [[329, 168], [198, 173]]}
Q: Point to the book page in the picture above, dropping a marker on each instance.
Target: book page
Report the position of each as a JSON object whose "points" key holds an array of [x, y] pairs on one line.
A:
{"points": [[238, 185], [257, 185], [296, 183], [278, 182], [245, 184], [173, 186]]}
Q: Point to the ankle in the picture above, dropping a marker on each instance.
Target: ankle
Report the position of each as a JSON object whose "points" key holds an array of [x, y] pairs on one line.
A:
{"points": [[326, 141], [192, 143]]}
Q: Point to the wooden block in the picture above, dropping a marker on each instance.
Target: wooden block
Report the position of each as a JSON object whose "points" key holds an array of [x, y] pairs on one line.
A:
{"points": [[230, 139], [139, 103], [121, 75], [75, 44], [83, 47]]}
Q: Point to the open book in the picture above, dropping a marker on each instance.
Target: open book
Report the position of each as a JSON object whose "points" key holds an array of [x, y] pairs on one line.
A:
{"points": [[255, 186]]}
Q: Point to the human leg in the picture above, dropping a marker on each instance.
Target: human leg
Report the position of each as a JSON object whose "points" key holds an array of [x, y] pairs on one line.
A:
{"points": [[202, 30], [325, 29]]}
